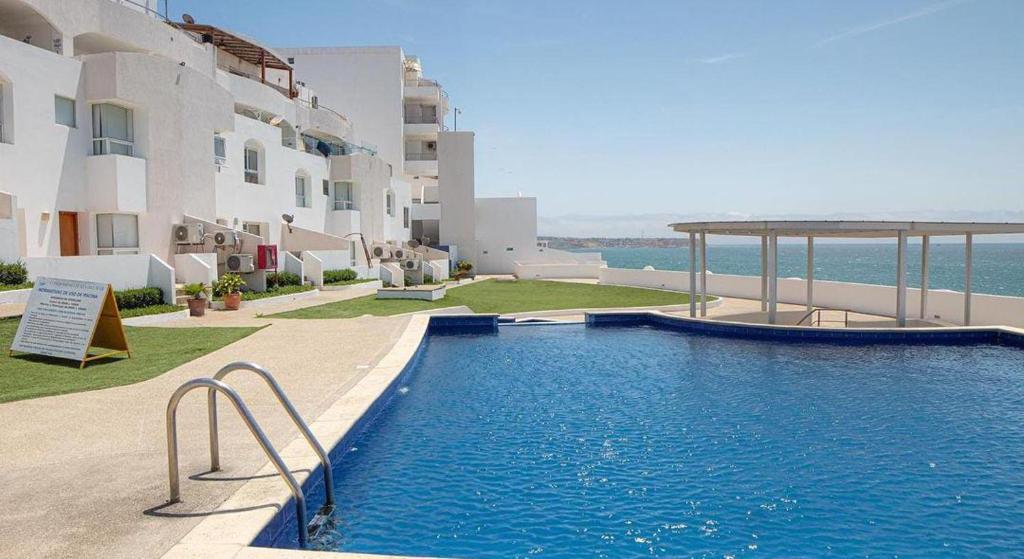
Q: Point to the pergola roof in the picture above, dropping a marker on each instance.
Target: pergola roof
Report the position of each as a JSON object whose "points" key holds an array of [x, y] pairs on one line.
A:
{"points": [[843, 228], [242, 47]]}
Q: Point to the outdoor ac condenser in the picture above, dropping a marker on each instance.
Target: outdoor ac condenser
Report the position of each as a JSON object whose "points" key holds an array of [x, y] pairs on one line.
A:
{"points": [[240, 263], [399, 253], [410, 264], [381, 251], [187, 233], [225, 238]]}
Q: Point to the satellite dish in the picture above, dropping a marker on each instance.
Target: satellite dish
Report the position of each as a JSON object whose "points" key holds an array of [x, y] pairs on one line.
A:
{"points": [[188, 18], [287, 218]]}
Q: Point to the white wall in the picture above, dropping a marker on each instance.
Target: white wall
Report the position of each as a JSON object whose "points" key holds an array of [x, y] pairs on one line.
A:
{"points": [[121, 271], [506, 231], [265, 203], [872, 299], [363, 83], [556, 271], [456, 192]]}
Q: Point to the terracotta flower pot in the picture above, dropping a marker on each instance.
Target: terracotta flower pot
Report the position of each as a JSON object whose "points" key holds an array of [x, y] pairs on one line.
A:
{"points": [[232, 301], [196, 307]]}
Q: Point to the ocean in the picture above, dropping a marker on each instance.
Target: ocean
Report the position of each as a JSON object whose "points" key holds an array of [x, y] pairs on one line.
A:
{"points": [[998, 267]]}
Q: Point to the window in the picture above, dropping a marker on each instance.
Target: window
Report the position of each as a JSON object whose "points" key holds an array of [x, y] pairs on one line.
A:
{"points": [[5, 120], [64, 111], [405, 217], [327, 188], [344, 195], [390, 199], [220, 152], [113, 130], [117, 233], [302, 192], [252, 165], [252, 228], [509, 249]]}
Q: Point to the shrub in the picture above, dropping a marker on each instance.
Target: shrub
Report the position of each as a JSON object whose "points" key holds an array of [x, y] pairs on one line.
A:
{"points": [[13, 273], [228, 283], [339, 276], [138, 298], [283, 278]]}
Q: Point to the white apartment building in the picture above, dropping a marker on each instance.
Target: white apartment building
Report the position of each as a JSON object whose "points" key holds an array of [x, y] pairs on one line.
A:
{"points": [[116, 125], [402, 113]]}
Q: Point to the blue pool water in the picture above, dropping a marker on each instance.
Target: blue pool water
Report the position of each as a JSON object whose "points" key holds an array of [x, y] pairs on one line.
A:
{"points": [[572, 442]]}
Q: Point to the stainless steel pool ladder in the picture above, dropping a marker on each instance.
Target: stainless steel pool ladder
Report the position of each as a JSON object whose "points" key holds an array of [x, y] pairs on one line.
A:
{"points": [[214, 385]]}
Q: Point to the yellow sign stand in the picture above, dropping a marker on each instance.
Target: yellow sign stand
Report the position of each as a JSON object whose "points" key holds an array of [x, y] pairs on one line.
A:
{"points": [[66, 318], [108, 331]]}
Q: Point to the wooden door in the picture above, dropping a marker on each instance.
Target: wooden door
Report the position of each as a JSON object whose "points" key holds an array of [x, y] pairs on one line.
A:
{"points": [[68, 234]]}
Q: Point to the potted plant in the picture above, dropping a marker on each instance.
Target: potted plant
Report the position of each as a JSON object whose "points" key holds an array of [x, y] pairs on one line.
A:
{"points": [[196, 299], [230, 288], [463, 269]]}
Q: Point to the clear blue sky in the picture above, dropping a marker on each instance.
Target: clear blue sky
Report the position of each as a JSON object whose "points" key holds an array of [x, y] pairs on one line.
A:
{"points": [[716, 107]]}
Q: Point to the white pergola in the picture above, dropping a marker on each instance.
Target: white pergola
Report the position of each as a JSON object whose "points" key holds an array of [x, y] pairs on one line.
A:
{"points": [[770, 231]]}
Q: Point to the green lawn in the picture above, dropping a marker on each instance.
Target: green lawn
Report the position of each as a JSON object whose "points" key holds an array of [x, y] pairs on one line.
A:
{"points": [[152, 309], [154, 352], [503, 297], [12, 287], [351, 282]]}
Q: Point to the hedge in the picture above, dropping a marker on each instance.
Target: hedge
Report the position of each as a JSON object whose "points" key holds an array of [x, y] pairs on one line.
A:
{"points": [[138, 298], [283, 278], [339, 276], [13, 273]]}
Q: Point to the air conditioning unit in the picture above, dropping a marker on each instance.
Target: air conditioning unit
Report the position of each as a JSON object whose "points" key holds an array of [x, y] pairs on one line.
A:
{"points": [[225, 238], [431, 146], [188, 233], [399, 253], [381, 251], [240, 263], [410, 264]]}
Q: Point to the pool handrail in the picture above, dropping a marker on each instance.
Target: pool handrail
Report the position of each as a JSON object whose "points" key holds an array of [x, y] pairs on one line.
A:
{"points": [[282, 398], [254, 428]]}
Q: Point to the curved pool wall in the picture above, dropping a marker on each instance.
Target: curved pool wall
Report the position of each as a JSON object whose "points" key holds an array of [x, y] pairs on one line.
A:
{"points": [[279, 532]]}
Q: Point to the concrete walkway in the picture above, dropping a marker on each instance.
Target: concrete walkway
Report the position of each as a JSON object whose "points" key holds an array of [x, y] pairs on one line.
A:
{"points": [[85, 475]]}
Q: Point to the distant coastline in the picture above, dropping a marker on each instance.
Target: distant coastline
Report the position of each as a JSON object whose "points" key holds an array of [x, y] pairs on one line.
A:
{"points": [[572, 243]]}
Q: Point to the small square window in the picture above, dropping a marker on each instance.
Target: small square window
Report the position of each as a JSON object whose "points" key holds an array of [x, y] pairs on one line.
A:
{"points": [[509, 249], [64, 111]]}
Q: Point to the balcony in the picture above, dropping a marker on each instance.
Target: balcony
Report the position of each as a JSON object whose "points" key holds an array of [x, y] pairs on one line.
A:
{"points": [[424, 163], [422, 125], [116, 183], [423, 90], [343, 221]]}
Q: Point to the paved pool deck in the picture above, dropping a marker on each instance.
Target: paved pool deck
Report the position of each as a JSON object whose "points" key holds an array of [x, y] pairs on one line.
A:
{"points": [[85, 475]]}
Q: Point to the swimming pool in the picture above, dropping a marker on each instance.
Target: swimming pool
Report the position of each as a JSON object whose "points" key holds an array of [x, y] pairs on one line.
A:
{"points": [[573, 441]]}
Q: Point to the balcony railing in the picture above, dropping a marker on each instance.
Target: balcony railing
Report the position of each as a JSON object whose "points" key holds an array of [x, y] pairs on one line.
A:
{"points": [[420, 119], [252, 177], [428, 156], [103, 146], [343, 205]]}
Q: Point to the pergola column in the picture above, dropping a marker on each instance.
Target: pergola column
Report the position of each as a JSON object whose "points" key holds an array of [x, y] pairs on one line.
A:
{"points": [[968, 273], [703, 274], [764, 273], [810, 273], [925, 241], [693, 275], [901, 279], [773, 278]]}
